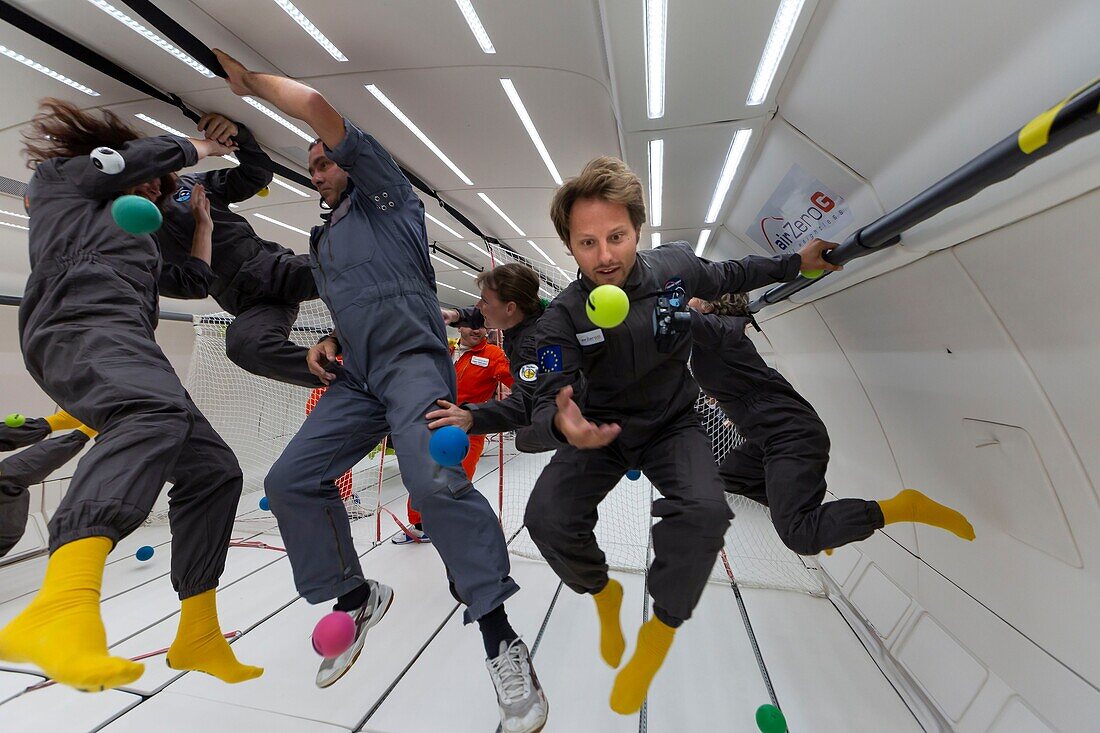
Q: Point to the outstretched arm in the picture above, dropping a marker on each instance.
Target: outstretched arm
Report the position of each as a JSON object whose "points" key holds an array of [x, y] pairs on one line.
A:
{"points": [[241, 182]]}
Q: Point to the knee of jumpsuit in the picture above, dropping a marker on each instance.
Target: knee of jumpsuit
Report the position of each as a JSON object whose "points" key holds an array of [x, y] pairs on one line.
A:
{"points": [[285, 480], [243, 349], [800, 543], [707, 518], [547, 521]]}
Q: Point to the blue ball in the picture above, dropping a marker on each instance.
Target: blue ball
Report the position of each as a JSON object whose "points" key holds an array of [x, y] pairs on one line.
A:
{"points": [[144, 553], [633, 474], [449, 445], [264, 503]]}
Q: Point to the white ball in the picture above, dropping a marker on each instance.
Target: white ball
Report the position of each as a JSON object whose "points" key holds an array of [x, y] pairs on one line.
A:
{"points": [[107, 160]]}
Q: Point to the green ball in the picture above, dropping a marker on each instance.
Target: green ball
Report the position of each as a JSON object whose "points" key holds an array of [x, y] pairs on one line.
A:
{"points": [[136, 214], [769, 719], [607, 306], [813, 274], [15, 420]]}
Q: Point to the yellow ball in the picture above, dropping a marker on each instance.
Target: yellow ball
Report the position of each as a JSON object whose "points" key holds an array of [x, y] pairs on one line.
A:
{"points": [[607, 306], [812, 274], [263, 192]]}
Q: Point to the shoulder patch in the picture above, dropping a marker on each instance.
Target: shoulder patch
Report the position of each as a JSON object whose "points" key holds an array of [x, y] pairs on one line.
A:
{"points": [[529, 372], [550, 359], [183, 195]]}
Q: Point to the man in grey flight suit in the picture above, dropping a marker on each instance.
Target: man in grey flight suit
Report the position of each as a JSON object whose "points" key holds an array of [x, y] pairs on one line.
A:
{"points": [[373, 272], [260, 282]]}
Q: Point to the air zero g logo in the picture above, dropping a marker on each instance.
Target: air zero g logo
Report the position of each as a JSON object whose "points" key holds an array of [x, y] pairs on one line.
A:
{"points": [[800, 208], [784, 234], [183, 195]]}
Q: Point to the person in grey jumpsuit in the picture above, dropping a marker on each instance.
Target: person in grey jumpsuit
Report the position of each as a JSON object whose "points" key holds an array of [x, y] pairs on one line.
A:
{"points": [[259, 282], [373, 272], [637, 410], [783, 460], [86, 329]]}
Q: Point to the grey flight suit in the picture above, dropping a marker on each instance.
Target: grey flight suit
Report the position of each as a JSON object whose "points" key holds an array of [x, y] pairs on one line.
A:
{"points": [[18, 472], [652, 396], [372, 268], [86, 328], [29, 433], [786, 451], [259, 282]]}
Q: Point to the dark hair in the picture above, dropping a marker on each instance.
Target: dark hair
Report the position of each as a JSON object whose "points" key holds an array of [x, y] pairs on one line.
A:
{"points": [[732, 304], [514, 283], [606, 178]]}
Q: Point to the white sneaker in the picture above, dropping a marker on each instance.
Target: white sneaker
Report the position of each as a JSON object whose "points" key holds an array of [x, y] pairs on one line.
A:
{"points": [[418, 537], [523, 706], [366, 616]]}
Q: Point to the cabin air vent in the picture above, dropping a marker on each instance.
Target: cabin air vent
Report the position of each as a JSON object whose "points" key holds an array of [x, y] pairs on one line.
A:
{"points": [[12, 187]]}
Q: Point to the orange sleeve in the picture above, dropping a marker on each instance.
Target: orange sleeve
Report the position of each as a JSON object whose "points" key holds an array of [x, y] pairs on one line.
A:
{"points": [[503, 371]]}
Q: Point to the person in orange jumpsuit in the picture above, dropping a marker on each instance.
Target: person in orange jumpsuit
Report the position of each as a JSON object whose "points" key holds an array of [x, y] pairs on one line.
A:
{"points": [[481, 367]]}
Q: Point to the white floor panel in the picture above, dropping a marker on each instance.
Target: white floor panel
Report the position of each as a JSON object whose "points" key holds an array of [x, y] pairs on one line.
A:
{"points": [[281, 645], [421, 704], [64, 710], [12, 683], [710, 680], [172, 713], [823, 677]]}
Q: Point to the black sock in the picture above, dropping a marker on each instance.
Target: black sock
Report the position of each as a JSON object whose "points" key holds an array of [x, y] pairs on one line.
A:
{"points": [[495, 629], [419, 526], [353, 599]]}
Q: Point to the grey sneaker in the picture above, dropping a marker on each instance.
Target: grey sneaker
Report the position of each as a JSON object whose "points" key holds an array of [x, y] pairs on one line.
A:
{"points": [[366, 616], [523, 706]]}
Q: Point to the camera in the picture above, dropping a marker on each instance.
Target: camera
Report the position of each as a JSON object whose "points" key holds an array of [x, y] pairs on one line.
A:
{"points": [[670, 319]]}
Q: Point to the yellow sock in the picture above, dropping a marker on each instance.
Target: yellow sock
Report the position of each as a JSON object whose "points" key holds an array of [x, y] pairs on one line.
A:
{"points": [[913, 506], [61, 631], [608, 602], [201, 646], [87, 431], [632, 683], [62, 420]]}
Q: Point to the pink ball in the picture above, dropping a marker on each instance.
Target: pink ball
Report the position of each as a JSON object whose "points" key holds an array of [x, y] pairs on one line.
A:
{"points": [[333, 634]]}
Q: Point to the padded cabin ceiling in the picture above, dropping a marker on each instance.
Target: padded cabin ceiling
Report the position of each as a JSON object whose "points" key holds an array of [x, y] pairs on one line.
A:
{"points": [[889, 95]]}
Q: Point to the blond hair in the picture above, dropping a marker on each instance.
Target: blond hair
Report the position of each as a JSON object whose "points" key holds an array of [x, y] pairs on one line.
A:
{"points": [[731, 304], [604, 178]]}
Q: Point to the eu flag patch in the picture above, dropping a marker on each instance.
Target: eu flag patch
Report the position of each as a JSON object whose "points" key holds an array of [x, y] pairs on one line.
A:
{"points": [[549, 359]]}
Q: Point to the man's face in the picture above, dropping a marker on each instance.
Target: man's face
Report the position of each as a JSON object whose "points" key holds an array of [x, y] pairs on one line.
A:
{"points": [[470, 337], [602, 240], [496, 312], [329, 179], [149, 190]]}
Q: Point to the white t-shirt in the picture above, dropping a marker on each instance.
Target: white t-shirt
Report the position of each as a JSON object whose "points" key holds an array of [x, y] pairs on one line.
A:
{"points": [[460, 349]]}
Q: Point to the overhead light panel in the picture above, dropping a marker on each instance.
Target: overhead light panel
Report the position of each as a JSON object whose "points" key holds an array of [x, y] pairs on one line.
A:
{"points": [[467, 292], [439, 259], [703, 237], [15, 226], [544, 255], [529, 125], [13, 213], [311, 29], [292, 189], [15, 56], [469, 274], [396, 112], [729, 170], [453, 233], [655, 239], [656, 27], [504, 216], [280, 119], [782, 29], [476, 27], [477, 249], [452, 287], [656, 180], [153, 38], [281, 224]]}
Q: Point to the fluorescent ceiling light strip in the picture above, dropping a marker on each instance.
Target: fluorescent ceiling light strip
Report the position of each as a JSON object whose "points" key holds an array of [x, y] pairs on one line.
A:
{"points": [[656, 180], [479, 250], [15, 226], [467, 292], [474, 22], [469, 274], [504, 216], [565, 274], [703, 237], [396, 112], [656, 26], [545, 292], [544, 255], [293, 189], [655, 239], [279, 223], [439, 259], [280, 119], [148, 35], [437, 221], [13, 213], [729, 170], [452, 287], [311, 29], [16, 56], [782, 29], [529, 125], [234, 206]]}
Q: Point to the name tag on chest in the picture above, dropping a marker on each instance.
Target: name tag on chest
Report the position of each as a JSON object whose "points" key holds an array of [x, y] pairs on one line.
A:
{"points": [[480, 361], [590, 338]]}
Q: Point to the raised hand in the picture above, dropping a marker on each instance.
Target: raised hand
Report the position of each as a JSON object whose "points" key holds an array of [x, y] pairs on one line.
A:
{"points": [[579, 432]]}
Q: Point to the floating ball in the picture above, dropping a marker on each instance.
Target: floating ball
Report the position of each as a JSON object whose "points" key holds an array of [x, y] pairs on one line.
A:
{"points": [[15, 420], [769, 719], [633, 474], [263, 192], [265, 504], [108, 160], [607, 306], [812, 274], [333, 634], [136, 214], [448, 445], [144, 553]]}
